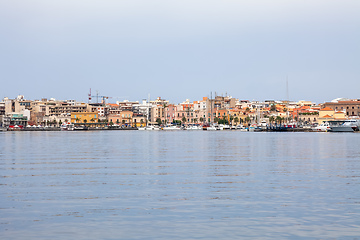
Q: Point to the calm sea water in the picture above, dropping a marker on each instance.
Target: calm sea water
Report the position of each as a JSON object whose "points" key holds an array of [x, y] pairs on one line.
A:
{"points": [[179, 185]]}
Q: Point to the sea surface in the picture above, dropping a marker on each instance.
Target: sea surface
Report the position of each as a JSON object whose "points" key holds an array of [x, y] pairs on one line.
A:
{"points": [[179, 185]]}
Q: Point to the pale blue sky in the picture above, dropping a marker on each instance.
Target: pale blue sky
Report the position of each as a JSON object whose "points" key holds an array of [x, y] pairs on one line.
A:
{"points": [[180, 49]]}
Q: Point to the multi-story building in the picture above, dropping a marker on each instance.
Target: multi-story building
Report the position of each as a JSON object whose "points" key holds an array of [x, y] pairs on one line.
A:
{"points": [[84, 117], [352, 107]]}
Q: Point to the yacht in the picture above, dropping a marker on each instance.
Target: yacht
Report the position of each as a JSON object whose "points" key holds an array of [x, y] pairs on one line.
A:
{"points": [[171, 127], [323, 127], [193, 127], [67, 127]]}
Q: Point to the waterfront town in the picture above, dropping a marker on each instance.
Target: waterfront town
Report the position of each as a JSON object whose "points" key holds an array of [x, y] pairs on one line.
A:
{"points": [[22, 114]]}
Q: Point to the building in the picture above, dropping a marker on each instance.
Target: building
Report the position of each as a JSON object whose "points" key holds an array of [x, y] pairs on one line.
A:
{"points": [[351, 108], [84, 117]]}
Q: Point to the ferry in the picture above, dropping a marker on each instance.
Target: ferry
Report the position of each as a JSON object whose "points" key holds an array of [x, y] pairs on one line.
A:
{"points": [[350, 125]]}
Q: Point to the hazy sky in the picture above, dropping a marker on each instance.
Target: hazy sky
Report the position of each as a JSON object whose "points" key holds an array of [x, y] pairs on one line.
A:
{"points": [[180, 49]]}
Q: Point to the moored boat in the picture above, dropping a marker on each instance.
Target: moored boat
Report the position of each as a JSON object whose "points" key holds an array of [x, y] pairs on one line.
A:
{"points": [[350, 125], [323, 127], [67, 127]]}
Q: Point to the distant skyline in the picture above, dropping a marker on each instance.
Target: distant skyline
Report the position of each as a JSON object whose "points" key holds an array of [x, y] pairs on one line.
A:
{"points": [[180, 50]]}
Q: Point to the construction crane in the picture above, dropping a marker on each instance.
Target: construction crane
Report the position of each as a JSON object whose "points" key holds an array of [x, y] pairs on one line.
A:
{"points": [[97, 97]]}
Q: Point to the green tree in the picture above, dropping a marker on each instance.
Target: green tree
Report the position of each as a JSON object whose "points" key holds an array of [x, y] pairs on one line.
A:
{"points": [[236, 120], [158, 120], [271, 119], [247, 119], [85, 121], [201, 119], [231, 119], [183, 120]]}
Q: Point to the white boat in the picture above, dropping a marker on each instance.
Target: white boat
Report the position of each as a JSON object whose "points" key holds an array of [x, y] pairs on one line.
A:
{"points": [[212, 128], [171, 127], [241, 128], [193, 127], [323, 127], [224, 127], [350, 125], [67, 127], [152, 128]]}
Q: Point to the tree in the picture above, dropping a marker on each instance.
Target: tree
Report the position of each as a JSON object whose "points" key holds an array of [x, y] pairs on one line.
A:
{"points": [[77, 119], [85, 121], [183, 120], [165, 106], [111, 123], [201, 119], [271, 119], [158, 120], [236, 120], [247, 119], [231, 119], [142, 121]]}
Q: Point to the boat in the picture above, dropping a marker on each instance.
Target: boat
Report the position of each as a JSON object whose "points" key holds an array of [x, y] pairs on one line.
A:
{"points": [[350, 125], [171, 127], [67, 127], [224, 127], [151, 128], [323, 127], [193, 127], [80, 128], [241, 128], [212, 128]]}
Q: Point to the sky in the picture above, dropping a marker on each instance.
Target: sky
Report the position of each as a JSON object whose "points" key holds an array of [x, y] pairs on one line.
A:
{"points": [[180, 50]]}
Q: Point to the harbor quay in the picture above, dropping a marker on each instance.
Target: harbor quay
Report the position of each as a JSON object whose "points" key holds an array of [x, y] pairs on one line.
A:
{"points": [[209, 113]]}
